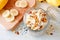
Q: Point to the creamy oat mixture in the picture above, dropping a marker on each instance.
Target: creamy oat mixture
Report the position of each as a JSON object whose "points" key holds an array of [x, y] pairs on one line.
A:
{"points": [[36, 19]]}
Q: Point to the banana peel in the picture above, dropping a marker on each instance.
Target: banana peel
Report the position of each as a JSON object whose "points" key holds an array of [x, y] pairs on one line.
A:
{"points": [[3, 3], [54, 2]]}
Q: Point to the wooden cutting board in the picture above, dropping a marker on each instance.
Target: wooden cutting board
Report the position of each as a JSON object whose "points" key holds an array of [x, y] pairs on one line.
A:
{"points": [[12, 25]]}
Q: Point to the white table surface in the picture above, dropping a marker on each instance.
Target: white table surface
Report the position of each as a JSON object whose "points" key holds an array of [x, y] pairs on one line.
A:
{"points": [[8, 35]]}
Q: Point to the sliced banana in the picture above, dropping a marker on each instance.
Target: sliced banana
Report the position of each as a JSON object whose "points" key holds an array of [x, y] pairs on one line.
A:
{"points": [[21, 4], [17, 3], [6, 13], [10, 18], [13, 12]]}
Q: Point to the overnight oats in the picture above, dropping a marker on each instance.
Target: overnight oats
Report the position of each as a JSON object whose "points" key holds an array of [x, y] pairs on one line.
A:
{"points": [[36, 21]]}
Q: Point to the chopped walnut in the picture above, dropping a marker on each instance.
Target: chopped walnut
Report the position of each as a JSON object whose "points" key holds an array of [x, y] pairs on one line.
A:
{"points": [[44, 14], [44, 20], [38, 16], [41, 27]]}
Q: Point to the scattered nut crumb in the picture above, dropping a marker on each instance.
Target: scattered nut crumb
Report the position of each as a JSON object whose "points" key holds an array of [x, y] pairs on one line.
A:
{"points": [[17, 32], [51, 33], [50, 30], [51, 25]]}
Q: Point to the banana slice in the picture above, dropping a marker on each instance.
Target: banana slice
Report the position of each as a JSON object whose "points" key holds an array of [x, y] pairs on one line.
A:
{"points": [[6, 13], [10, 18], [32, 3], [21, 4], [13, 12]]}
